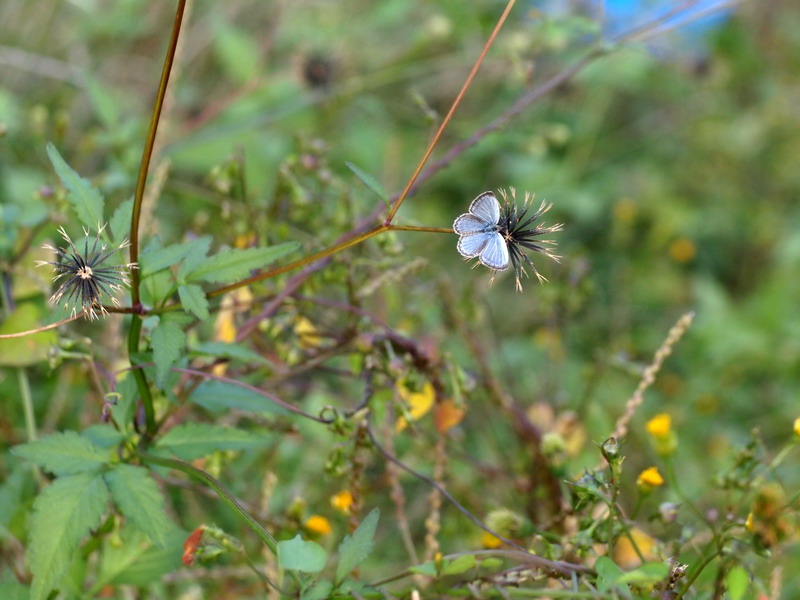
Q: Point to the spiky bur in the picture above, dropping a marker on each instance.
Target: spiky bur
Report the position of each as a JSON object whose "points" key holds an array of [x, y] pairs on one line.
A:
{"points": [[521, 233], [86, 277]]}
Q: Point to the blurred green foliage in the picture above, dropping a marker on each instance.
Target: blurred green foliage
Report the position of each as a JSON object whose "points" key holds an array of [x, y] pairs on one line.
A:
{"points": [[675, 173]]}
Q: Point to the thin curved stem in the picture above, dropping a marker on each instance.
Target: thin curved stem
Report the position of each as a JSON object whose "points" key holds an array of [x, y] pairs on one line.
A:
{"points": [[451, 112], [223, 492], [20, 334]]}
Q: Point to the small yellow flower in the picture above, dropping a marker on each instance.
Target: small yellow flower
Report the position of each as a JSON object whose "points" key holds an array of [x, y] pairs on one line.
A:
{"points": [[797, 426], [318, 524], [649, 479], [625, 554], [308, 334], [419, 403], [682, 250], [490, 541], [660, 426], [749, 522], [342, 501]]}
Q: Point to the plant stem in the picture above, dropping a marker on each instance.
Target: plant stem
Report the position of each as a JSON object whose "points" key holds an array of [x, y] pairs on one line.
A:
{"points": [[27, 404], [136, 320], [450, 113], [221, 490]]}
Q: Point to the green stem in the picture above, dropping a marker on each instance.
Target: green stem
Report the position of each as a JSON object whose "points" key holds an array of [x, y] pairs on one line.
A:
{"points": [[223, 493], [141, 381], [136, 321], [27, 404]]}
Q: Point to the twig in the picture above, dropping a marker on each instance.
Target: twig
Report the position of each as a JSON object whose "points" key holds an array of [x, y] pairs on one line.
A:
{"points": [[20, 334]]}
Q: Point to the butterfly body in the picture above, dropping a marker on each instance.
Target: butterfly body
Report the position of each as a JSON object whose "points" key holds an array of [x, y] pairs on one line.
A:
{"points": [[479, 232]]}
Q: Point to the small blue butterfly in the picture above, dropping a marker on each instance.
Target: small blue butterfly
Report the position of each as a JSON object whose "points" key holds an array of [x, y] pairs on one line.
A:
{"points": [[479, 233]]}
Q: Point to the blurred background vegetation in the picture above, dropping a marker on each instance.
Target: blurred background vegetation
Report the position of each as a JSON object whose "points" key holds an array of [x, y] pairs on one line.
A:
{"points": [[673, 164]]}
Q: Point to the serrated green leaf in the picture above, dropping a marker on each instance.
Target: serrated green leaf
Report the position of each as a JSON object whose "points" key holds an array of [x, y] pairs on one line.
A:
{"points": [[233, 264], [120, 222], [85, 199], [460, 565], [300, 555], [62, 515], [168, 342], [157, 259], [136, 494], [736, 582], [63, 453], [194, 300], [369, 181], [102, 436], [219, 396], [195, 259], [194, 440], [355, 548]]}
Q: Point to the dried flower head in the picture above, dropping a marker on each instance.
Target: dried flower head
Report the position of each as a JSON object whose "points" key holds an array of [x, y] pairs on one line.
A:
{"points": [[86, 277], [521, 233]]}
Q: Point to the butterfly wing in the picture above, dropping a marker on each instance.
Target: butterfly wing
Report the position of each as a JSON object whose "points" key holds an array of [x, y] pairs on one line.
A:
{"points": [[486, 208], [494, 253], [470, 246], [468, 224]]}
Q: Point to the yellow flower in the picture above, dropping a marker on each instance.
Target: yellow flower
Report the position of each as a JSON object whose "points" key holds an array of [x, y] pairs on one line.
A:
{"points": [[682, 250], [342, 501], [649, 479], [419, 403], [309, 335], [318, 524], [490, 541], [749, 522], [660, 426], [797, 426], [625, 554]]}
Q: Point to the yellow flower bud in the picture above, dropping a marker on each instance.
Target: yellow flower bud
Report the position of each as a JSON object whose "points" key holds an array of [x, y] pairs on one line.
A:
{"points": [[318, 524], [649, 479]]}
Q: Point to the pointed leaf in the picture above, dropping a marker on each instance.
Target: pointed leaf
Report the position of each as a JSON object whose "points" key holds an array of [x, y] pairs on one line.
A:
{"points": [[194, 440], [233, 264], [62, 515], [63, 453], [369, 181], [168, 342], [736, 581], [237, 351], [354, 549], [194, 300], [136, 494], [120, 222], [299, 555], [157, 259], [461, 564], [85, 199], [219, 396], [134, 562]]}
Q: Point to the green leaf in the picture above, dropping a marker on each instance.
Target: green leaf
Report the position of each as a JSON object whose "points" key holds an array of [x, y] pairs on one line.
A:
{"points": [[104, 104], [354, 549], [134, 562], [300, 555], [224, 350], [63, 453], [194, 440], [157, 259], [14, 590], [646, 574], [85, 199], [120, 223], [238, 53], [194, 300], [460, 565], [233, 264], [28, 350], [608, 573], [102, 436], [426, 568], [62, 515], [194, 259], [136, 494], [369, 181], [168, 342], [219, 396], [737, 580], [319, 591]]}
